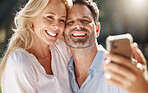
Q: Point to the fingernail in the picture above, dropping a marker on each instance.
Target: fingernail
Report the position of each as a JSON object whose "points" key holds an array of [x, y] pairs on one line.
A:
{"points": [[134, 61], [135, 45], [107, 76], [139, 65], [107, 61]]}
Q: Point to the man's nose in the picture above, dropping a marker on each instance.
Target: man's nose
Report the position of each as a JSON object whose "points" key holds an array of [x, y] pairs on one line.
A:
{"points": [[78, 24]]}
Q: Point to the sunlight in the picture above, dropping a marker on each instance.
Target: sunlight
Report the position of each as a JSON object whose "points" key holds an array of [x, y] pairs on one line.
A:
{"points": [[139, 3]]}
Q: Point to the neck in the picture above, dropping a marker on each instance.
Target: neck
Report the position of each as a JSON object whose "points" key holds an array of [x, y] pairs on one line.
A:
{"points": [[83, 59], [39, 49]]}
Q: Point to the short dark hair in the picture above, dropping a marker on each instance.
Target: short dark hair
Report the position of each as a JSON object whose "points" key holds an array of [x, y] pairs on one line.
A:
{"points": [[92, 6]]}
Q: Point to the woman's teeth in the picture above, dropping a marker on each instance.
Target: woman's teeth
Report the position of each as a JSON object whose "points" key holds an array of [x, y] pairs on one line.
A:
{"points": [[52, 34]]}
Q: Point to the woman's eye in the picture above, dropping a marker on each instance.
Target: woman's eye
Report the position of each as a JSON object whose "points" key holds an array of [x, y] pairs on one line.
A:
{"points": [[50, 17]]}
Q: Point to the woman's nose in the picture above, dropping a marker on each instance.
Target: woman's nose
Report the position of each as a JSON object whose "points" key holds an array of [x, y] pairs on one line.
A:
{"points": [[55, 25]]}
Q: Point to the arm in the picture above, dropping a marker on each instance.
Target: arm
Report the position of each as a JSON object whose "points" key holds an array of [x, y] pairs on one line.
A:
{"points": [[124, 74]]}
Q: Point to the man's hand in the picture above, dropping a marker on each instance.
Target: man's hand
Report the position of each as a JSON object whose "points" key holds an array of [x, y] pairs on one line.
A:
{"points": [[127, 74]]}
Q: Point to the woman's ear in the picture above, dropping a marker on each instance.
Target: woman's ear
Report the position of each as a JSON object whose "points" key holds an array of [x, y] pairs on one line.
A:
{"points": [[32, 22], [98, 29]]}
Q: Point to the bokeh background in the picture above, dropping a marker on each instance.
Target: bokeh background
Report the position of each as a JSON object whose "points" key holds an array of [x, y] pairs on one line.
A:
{"points": [[116, 17]]}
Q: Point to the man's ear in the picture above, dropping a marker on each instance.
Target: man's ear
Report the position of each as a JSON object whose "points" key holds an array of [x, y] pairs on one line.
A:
{"points": [[98, 27]]}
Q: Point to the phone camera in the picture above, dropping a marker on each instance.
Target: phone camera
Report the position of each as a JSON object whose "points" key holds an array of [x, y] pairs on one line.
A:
{"points": [[115, 44]]}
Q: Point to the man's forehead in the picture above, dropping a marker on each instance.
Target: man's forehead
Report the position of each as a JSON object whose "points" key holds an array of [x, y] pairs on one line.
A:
{"points": [[79, 10]]}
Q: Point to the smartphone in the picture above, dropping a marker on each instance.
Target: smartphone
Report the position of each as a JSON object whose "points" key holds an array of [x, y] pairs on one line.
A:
{"points": [[120, 44]]}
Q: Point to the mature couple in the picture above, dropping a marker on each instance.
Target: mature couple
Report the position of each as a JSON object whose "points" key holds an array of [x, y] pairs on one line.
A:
{"points": [[38, 60]]}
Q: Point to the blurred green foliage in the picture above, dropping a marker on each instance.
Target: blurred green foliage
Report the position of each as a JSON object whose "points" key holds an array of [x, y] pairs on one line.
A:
{"points": [[0, 87], [116, 17]]}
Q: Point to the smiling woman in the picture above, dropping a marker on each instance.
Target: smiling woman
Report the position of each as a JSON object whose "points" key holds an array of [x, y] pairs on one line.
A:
{"points": [[36, 59]]}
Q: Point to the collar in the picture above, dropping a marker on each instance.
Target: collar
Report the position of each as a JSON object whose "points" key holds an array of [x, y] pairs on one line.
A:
{"points": [[71, 64], [97, 63]]}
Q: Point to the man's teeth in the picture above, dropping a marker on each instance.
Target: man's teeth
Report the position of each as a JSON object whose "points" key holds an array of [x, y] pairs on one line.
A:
{"points": [[78, 34], [52, 34]]}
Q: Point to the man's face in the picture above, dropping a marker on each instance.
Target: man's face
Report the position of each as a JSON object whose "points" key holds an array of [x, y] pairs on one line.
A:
{"points": [[80, 27]]}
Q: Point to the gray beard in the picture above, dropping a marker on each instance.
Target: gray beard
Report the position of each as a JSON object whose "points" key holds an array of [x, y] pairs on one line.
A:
{"points": [[80, 43]]}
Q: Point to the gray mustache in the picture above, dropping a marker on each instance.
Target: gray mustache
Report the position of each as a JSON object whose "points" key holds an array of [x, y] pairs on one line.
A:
{"points": [[79, 29]]}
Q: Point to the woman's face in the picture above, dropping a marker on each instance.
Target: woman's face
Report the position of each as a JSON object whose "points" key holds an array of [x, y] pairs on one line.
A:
{"points": [[50, 23]]}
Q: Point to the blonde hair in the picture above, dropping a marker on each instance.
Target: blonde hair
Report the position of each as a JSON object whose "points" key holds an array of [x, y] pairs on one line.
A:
{"points": [[24, 35]]}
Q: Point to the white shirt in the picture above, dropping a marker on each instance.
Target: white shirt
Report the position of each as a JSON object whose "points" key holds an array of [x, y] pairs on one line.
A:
{"points": [[24, 74]]}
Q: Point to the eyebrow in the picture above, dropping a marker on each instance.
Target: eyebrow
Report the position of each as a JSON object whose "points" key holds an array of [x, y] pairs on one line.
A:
{"points": [[86, 17], [69, 19], [50, 13], [63, 16], [82, 17], [54, 14]]}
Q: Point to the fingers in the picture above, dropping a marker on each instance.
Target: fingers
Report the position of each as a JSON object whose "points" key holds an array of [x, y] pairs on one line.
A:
{"points": [[141, 67], [122, 61], [116, 58], [122, 77], [138, 54], [118, 81], [113, 81], [118, 71], [122, 73]]}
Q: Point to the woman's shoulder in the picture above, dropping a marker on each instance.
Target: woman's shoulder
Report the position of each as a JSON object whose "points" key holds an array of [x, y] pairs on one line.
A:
{"points": [[20, 57], [19, 62], [19, 71]]}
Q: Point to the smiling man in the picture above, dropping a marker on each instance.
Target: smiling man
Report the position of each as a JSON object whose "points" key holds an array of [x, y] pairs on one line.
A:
{"points": [[82, 30]]}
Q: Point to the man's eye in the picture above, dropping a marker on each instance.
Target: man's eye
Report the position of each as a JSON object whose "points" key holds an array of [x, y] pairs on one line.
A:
{"points": [[85, 21], [70, 23]]}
